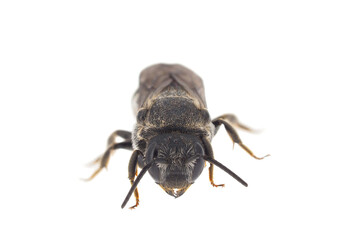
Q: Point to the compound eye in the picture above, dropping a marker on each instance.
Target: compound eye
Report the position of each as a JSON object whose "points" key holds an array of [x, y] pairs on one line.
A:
{"points": [[199, 150]]}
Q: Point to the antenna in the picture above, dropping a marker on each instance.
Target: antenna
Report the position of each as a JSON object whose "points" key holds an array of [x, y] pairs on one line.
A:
{"points": [[218, 164]]}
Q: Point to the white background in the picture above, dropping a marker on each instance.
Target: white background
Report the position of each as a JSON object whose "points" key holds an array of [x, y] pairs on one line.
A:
{"points": [[68, 71]]}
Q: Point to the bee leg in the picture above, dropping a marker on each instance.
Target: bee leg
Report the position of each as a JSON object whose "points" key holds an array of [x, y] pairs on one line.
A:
{"points": [[232, 119], [112, 139], [104, 159], [211, 177], [234, 136], [209, 152], [132, 173], [119, 133]]}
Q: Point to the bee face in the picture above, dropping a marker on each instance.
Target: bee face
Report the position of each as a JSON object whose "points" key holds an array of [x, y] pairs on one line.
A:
{"points": [[178, 162]]}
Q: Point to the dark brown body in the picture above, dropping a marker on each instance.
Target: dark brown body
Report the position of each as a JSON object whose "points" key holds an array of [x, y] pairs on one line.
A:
{"points": [[170, 98], [172, 137]]}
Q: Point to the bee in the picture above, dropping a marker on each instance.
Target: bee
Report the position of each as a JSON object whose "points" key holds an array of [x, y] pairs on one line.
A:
{"points": [[172, 137]]}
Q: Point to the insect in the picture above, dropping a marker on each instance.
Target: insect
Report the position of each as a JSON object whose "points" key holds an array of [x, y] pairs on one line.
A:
{"points": [[172, 137]]}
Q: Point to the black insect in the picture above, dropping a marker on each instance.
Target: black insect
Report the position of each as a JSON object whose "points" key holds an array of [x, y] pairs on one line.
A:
{"points": [[171, 139]]}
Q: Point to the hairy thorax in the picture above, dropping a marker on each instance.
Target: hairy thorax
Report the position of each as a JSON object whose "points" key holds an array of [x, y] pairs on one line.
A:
{"points": [[172, 110]]}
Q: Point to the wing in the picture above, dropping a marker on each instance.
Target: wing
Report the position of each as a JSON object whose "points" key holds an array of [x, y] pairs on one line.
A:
{"points": [[156, 77]]}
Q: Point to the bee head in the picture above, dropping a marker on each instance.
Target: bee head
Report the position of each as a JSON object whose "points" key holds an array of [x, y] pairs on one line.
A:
{"points": [[175, 161], [178, 162]]}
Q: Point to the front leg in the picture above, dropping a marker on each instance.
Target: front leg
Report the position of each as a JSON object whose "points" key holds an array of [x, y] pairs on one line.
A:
{"points": [[225, 120], [209, 152], [132, 173]]}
